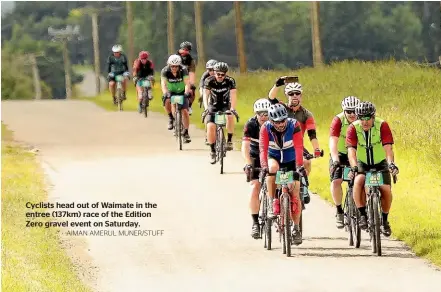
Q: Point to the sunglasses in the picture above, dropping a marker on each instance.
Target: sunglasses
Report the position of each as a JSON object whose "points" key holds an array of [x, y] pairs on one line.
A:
{"points": [[365, 118], [294, 93], [262, 114], [174, 66], [220, 74], [279, 122], [350, 112]]}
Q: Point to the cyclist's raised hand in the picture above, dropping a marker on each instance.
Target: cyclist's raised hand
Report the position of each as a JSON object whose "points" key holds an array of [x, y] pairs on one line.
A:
{"points": [[280, 81]]}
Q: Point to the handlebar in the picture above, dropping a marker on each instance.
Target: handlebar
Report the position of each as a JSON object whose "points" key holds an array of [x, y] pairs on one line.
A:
{"points": [[228, 112]]}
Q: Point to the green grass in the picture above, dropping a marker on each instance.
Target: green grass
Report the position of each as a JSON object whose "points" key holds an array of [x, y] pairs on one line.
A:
{"points": [[32, 258], [405, 95]]}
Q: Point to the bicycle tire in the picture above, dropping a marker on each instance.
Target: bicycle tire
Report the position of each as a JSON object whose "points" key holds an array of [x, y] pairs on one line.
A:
{"points": [[119, 99], [179, 121], [355, 218], [347, 218], [221, 137], [286, 223], [377, 223], [371, 226], [145, 102]]}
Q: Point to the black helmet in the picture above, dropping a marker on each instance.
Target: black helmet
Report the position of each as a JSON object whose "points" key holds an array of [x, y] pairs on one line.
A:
{"points": [[221, 67], [186, 45], [365, 109]]}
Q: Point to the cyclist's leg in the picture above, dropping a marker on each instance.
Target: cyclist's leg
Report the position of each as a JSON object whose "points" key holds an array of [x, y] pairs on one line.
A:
{"points": [[185, 120], [112, 87], [336, 189], [139, 97], [386, 198], [254, 199], [230, 128], [359, 194], [211, 132], [273, 167], [168, 109]]}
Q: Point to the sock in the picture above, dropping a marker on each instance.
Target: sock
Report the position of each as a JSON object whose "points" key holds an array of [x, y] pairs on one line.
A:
{"points": [[339, 209], [212, 148], [170, 115], [384, 215], [362, 211], [255, 218], [229, 137]]}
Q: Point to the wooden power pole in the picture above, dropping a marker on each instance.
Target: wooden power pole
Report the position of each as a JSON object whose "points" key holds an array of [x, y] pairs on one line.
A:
{"points": [[240, 42], [170, 28], [36, 76], [130, 35], [199, 32], [96, 51], [317, 56]]}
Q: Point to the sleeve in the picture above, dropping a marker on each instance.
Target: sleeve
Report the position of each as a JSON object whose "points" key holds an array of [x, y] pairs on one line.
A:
{"points": [[247, 132], [335, 127], [298, 143], [152, 66], [201, 82], [184, 72], [273, 101], [163, 75], [351, 137], [207, 83], [263, 146], [108, 65], [125, 63], [386, 134], [192, 67], [310, 122], [232, 83]]}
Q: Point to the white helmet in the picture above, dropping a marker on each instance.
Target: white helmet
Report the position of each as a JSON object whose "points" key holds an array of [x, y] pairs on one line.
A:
{"points": [[349, 103], [174, 60], [117, 49], [293, 87], [261, 105]]}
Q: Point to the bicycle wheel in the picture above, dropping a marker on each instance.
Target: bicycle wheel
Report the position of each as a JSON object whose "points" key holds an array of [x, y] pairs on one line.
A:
{"points": [[347, 218], [377, 222], [371, 225], [221, 139], [354, 219], [119, 98], [286, 223], [145, 101], [179, 127]]}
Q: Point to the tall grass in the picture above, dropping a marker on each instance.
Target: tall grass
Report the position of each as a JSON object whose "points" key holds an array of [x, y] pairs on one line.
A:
{"points": [[406, 96]]}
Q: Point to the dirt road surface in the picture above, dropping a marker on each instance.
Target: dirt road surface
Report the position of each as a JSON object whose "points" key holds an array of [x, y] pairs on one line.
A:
{"points": [[92, 155]]}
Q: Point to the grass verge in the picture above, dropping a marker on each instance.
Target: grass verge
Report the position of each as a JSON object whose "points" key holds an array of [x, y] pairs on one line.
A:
{"points": [[407, 96], [32, 258]]}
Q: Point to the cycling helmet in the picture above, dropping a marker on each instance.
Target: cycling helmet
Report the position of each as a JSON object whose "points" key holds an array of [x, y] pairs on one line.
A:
{"points": [[277, 112], [144, 55], [210, 64], [186, 46], [293, 87], [261, 105], [117, 49], [174, 60], [221, 67], [365, 109], [349, 103]]}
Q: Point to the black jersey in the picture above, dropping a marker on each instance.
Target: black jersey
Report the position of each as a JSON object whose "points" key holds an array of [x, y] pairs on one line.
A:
{"points": [[219, 91]]}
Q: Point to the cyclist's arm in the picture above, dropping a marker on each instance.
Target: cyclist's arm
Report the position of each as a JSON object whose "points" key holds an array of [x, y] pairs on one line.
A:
{"points": [[333, 138], [135, 68], [263, 146], [192, 71], [109, 67], [351, 144], [126, 66], [206, 95], [273, 93], [233, 93], [246, 144], [387, 141], [297, 138]]}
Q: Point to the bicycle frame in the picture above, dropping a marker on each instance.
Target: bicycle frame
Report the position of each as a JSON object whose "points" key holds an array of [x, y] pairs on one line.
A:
{"points": [[178, 101], [221, 121]]}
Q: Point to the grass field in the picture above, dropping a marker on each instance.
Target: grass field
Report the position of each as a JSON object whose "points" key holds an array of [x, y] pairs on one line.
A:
{"points": [[32, 258], [405, 95]]}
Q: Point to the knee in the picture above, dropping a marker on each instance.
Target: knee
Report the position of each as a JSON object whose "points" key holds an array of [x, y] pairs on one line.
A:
{"points": [[336, 183]]}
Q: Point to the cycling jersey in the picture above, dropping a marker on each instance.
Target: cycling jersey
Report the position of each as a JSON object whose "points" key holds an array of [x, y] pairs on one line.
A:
{"points": [[117, 65], [204, 76], [371, 141], [175, 84], [143, 70], [339, 127], [219, 91], [286, 148], [251, 133], [188, 62]]}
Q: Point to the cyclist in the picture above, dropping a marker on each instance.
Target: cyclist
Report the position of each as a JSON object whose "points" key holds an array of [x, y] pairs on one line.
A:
{"points": [[117, 65], [220, 95], [281, 146], [174, 80], [250, 152], [339, 153], [188, 61], [293, 91], [210, 71], [373, 137], [143, 68]]}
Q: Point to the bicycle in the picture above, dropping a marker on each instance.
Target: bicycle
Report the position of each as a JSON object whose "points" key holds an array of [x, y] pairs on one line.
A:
{"points": [[146, 85], [373, 181], [119, 91], [220, 120], [178, 101], [351, 213]]}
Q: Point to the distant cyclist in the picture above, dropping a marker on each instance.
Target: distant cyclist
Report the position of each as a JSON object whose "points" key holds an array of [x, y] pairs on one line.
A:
{"points": [[190, 64], [143, 68], [174, 81], [117, 65], [339, 152], [250, 153], [210, 72]]}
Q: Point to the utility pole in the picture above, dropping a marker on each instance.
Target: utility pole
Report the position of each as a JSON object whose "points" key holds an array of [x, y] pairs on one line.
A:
{"points": [[130, 36], [63, 36], [170, 28], [240, 42], [199, 31], [36, 76], [96, 51], [315, 27]]}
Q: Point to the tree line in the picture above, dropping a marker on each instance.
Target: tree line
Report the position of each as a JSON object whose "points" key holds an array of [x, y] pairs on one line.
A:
{"points": [[277, 35]]}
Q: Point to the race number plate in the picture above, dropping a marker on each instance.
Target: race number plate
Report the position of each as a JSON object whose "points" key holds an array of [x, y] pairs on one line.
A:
{"points": [[119, 78], [220, 119], [283, 178], [374, 179], [145, 83], [346, 173], [177, 99]]}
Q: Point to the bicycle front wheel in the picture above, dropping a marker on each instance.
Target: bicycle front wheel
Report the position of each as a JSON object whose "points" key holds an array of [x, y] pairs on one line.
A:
{"points": [[377, 223], [221, 149], [286, 223]]}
